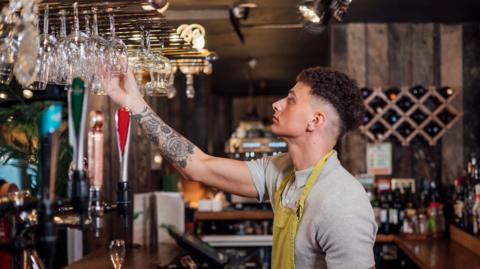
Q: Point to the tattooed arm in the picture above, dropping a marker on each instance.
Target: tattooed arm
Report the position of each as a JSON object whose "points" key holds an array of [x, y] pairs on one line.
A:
{"points": [[226, 174]]}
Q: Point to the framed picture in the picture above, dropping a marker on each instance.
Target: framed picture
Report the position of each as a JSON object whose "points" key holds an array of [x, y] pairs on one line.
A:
{"points": [[403, 183]]}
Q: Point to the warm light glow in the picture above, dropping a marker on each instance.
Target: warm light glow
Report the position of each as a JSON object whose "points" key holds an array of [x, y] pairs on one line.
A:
{"points": [[3, 95], [157, 158], [309, 14], [27, 94], [148, 7]]}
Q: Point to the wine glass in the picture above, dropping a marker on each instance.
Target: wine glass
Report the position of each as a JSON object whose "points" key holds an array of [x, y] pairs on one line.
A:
{"points": [[12, 38], [99, 49], [160, 70], [117, 252], [46, 55], [78, 51], [117, 51], [25, 68], [61, 48], [141, 64]]}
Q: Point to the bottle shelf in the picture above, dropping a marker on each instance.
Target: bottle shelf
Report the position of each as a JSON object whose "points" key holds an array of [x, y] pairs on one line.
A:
{"points": [[408, 113]]}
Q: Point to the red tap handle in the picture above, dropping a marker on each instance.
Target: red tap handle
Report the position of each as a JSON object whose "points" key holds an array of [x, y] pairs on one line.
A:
{"points": [[123, 124]]}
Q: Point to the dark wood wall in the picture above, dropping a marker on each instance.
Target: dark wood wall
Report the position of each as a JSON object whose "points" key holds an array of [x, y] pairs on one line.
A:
{"points": [[406, 54]]}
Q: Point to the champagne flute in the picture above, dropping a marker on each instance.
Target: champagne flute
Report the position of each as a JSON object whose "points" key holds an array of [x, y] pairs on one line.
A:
{"points": [[117, 253]]}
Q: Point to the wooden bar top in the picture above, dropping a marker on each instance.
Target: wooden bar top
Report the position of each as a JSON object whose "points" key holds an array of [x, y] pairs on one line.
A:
{"points": [[427, 254], [434, 253], [136, 258]]}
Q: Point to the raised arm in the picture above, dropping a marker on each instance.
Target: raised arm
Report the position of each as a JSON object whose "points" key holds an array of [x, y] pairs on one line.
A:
{"points": [[225, 174]]}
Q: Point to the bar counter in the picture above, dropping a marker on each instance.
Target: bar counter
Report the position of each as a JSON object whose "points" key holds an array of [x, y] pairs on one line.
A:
{"points": [[427, 254], [135, 258]]}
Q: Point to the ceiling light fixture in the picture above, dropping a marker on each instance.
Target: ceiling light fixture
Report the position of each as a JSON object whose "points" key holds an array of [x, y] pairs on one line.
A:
{"points": [[317, 13]]}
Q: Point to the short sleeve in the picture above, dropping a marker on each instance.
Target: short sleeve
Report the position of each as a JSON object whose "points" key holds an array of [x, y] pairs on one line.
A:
{"points": [[349, 235], [258, 171]]}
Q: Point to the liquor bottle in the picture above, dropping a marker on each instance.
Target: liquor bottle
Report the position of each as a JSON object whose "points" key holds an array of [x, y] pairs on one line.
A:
{"points": [[418, 91], [376, 209], [476, 210], [384, 214], [392, 214], [399, 207], [378, 129], [458, 202]]}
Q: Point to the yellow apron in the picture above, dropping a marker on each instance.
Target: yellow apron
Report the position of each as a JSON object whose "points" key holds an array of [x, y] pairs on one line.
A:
{"points": [[286, 220]]}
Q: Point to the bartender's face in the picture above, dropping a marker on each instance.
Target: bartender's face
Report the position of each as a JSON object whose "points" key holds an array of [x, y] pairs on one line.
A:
{"points": [[292, 113]]}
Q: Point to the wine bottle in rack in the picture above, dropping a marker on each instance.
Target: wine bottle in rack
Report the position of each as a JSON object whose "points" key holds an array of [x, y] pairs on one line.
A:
{"points": [[392, 93], [445, 92], [418, 91]]}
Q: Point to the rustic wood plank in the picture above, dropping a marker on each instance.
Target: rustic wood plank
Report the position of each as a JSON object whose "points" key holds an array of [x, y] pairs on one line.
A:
{"points": [[426, 159], [471, 84], [377, 55], [400, 73], [451, 74]]}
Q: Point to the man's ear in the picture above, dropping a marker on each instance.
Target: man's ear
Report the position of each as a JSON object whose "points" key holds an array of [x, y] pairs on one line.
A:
{"points": [[318, 119]]}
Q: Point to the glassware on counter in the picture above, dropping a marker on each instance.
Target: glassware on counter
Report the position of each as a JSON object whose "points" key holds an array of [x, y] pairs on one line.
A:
{"points": [[117, 253]]}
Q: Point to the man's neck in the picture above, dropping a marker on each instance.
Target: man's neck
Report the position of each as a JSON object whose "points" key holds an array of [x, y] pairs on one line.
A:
{"points": [[305, 152]]}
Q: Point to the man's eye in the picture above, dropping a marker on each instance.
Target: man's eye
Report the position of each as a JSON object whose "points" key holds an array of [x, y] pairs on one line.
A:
{"points": [[290, 100]]}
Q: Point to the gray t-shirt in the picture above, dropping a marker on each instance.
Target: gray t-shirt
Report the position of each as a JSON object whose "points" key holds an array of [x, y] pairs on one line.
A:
{"points": [[338, 227]]}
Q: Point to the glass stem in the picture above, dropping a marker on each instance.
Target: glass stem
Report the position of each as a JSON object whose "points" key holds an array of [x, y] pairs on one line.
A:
{"points": [[75, 18], [45, 20], [112, 25], [148, 41], [63, 24], [87, 25], [95, 22]]}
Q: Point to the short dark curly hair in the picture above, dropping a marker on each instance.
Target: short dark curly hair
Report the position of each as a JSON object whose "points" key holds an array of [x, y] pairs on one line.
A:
{"points": [[340, 91]]}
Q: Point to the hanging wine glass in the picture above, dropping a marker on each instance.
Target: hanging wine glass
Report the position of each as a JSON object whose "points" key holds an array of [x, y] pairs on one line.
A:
{"points": [[78, 51], [99, 49], [10, 37], [141, 64], [160, 70], [62, 60], [117, 52], [25, 68], [46, 55]]}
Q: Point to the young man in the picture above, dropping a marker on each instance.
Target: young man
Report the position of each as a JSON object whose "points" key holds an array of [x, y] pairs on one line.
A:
{"points": [[323, 218]]}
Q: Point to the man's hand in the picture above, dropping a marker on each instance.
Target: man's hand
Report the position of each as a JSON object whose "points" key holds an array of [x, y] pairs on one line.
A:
{"points": [[123, 89]]}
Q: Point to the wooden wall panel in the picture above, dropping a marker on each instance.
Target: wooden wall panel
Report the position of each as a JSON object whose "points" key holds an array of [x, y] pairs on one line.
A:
{"points": [[353, 145], [377, 54], [471, 86], [400, 73], [451, 73]]}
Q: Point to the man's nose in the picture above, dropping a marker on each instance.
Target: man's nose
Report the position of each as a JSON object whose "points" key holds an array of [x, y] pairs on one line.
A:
{"points": [[277, 105]]}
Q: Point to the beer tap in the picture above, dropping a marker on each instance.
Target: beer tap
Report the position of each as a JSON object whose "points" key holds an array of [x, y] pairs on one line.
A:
{"points": [[95, 168], [123, 124], [78, 187], [50, 122]]}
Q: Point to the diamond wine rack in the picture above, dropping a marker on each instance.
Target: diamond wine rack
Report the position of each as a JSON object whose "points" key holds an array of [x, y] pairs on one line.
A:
{"points": [[408, 113]]}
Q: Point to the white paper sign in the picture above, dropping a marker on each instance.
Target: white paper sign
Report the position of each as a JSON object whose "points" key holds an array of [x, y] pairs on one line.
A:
{"points": [[379, 158]]}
